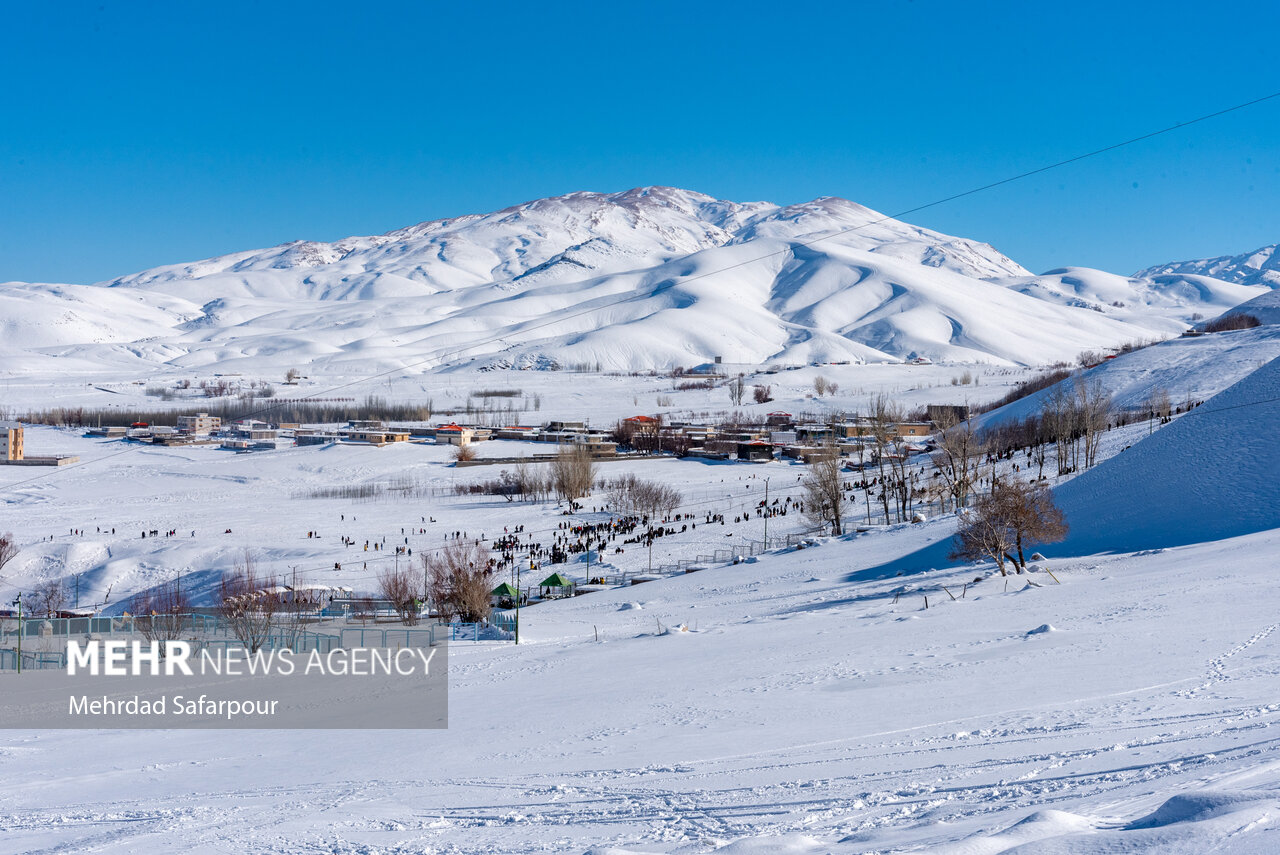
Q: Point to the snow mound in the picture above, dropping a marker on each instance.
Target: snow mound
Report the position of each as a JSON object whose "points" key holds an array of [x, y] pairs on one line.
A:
{"points": [[1195, 807], [1204, 477]]}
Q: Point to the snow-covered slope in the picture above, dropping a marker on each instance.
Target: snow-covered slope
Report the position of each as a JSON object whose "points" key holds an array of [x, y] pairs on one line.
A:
{"points": [[649, 278], [1265, 307], [1260, 267], [1207, 476], [1189, 369]]}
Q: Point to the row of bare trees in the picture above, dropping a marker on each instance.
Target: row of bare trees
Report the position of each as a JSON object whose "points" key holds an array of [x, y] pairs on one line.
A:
{"points": [[1074, 419], [629, 494], [456, 580]]}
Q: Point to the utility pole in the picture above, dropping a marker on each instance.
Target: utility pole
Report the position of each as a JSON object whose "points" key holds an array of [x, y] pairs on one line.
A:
{"points": [[518, 567], [21, 629], [766, 514]]}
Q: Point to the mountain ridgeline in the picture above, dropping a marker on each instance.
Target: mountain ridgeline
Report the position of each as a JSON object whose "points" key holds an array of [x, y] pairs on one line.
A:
{"points": [[653, 277]]}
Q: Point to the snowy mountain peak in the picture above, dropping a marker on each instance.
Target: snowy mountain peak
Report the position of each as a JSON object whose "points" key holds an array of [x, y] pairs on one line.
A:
{"points": [[1260, 267]]}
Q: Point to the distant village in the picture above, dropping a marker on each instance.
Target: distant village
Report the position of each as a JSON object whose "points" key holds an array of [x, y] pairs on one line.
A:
{"points": [[779, 435]]}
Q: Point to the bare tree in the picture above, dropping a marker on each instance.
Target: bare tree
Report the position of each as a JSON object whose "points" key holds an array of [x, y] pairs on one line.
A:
{"points": [[1057, 415], [737, 389], [824, 498], [531, 483], [890, 456], [958, 456], [1036, 518], [1000, 524], [459, 581], [573, 471], [463, 453], [159, 614], [762, 394], [248, 603], [1093, 405], [49, 599], [403, 589], [820, 385], [8, 548], [1158, 407]]}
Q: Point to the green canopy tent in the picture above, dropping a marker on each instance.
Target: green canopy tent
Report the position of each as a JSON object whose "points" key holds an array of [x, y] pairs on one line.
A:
{"points": [[555, 585], [505, 593]]}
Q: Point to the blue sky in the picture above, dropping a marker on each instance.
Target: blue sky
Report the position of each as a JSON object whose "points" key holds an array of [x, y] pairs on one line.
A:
{"points": [[139, 134]]}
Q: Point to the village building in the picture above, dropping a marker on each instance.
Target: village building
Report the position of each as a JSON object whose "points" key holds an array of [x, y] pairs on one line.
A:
{"points": [[13, 440], [754, 451], [12, 435], [454, 434], [941, 412], [200, 423], [374, 436]]}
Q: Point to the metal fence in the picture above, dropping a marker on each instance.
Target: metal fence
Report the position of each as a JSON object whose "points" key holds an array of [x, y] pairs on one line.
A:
{"points": [[46, 627], [31, 661]]}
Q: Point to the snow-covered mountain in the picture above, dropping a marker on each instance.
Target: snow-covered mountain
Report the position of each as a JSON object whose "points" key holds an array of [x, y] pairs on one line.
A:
{"points": [[1260, 267], [649, 278]]}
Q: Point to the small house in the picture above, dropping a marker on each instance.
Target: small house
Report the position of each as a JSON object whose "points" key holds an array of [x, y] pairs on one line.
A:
{"points": [[755, 451]]}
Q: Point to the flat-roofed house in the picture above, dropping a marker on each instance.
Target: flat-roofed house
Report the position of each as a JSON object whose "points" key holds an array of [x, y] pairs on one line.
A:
{"points": [[11, 439]]}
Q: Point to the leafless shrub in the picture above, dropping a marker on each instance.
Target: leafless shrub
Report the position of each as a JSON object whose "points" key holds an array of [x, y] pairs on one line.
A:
{"points": [[762, 394], [1029, 387], [1232, 322], [464, 453]]}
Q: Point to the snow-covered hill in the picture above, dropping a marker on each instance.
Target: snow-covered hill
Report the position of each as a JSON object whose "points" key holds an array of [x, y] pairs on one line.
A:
{"points": [[1265, 307], [1207, 476], [1260, 267], [1173, 298], [649, 278], [1188, 369]]}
